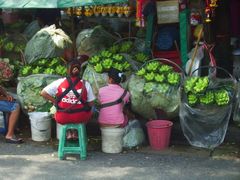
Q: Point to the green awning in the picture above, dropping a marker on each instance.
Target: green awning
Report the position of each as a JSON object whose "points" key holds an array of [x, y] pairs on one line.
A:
{"points": [[53, 3]]}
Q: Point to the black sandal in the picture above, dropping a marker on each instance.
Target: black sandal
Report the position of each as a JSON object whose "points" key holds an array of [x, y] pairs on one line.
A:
{"points": [[14, 140]]}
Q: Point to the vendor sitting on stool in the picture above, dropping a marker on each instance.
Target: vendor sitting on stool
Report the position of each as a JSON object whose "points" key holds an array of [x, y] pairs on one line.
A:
{"points": [[10, 106], [74, 98], [112, 99]]}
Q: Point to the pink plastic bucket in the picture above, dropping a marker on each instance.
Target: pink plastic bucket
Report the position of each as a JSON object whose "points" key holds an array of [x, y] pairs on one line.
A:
{"points": [[159, 133]]}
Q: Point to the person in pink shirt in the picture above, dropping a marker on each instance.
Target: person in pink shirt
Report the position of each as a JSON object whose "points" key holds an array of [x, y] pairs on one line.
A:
{"points": [[112, 99]]}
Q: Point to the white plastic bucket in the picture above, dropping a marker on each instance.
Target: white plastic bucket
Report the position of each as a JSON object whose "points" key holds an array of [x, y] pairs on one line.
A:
{"points": [[40, 126], [58, 129], [112, 139]]}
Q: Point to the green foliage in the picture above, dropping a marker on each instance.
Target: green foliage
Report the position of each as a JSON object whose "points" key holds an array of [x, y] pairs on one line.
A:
{"points": [[159, 78], [199, 91], [221, 97], [107, 63], [141, 72], [19, 48], [148, 87], [152, 66], [207, 98], [9, 46], [45, 66], [98, 68], [103, 61], [160, 74], [189, 84], [163, 88], [141, 57], [201, 85], [118, 57], [126, 47], [37, 70], [2, 41], [94, 60], [192, 99], [118, 66], [114, 49], [165, 69], [25, 71], [29, 89], [105, 54], [173, 78], [149, 76]]}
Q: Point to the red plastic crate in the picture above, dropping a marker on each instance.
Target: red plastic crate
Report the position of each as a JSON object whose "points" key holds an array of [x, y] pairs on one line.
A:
{"points": [[170, 55]]}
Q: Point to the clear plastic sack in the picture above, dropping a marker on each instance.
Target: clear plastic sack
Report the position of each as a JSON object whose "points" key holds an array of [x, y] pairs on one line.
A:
{"points": [[134, 134], [31, 29], [49, 42], [139, 102], [138, 45], [96, 80], [161, 96], [90, 41], [28, 91], [205, 125]]}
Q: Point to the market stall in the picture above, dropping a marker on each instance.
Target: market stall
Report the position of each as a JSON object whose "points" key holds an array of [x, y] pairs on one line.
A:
{"points": [[156, 84], [41, 58]]}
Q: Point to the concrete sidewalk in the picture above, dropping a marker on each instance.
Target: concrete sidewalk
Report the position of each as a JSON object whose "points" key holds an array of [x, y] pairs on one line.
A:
{"points": [[38, 160], [229, 149], [178, 143]]}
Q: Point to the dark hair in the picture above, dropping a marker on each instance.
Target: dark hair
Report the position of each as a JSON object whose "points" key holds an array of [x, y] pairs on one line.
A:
{"points": [[48, 16], [71, 65], [117, 76], [82, 58]]}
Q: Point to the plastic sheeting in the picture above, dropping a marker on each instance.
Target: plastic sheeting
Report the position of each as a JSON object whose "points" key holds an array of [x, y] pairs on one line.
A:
{"points": [[205, 126], [145, 104], [49, 42], [139, 45], [31, 29], [28, 91], [149, 98], [90, 41], [96, 80], [134, 134]]}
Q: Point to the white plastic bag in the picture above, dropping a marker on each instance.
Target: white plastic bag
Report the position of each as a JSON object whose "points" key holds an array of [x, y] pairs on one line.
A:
{"points": [[196, 63], [134, 134]]}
